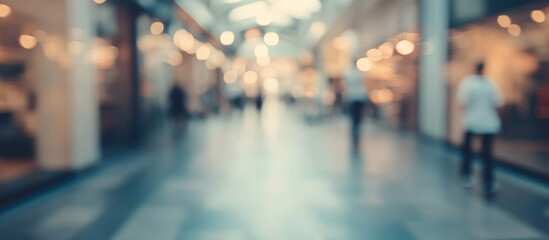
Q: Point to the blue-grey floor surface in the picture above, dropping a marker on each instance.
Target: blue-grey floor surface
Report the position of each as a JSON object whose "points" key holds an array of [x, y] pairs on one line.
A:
{"points": [[272, 176]]}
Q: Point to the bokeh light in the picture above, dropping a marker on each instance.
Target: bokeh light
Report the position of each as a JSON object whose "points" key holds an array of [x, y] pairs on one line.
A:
{"points": [[271, 38], [364, 64], [538, 16], [227, 38], [405, 47], [157, 28], [230, 77], [514, 30], [374, 54], [504, 21], [261, 51], [203, 52], [99, 1], [250, 77], [5, 10], [27, 41]]}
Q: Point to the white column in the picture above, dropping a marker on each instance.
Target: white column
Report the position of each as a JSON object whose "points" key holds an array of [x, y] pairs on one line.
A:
{"points": [[82, 87], [432, 116]]}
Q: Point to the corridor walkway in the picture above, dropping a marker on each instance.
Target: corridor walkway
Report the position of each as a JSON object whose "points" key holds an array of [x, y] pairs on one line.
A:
{"points": [[275, 177]]}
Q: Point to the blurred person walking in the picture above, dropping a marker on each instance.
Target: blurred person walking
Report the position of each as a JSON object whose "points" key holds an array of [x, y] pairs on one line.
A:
{"points": [[480, 100], [178, 110], [356, 99]]}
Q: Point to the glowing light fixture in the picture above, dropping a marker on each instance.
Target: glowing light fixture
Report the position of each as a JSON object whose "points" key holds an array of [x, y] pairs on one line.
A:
{"points": [[538, 16], [99, 1], [514, 30], [271, 38], [405, 47], [318, 29], [230, 77], [387, 49], [27, 41], [227, 38], [504, 21], [364, 64], [5, 10], [261, 51], [264, 19], [178, 35], [374, 54], [203, 52], [250, 77], [247, 11], [157, 28]]}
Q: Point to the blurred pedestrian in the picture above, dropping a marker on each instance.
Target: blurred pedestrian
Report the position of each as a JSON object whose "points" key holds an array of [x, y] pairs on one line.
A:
{"points": [[178, 109], [480, 100], [356, 99]]}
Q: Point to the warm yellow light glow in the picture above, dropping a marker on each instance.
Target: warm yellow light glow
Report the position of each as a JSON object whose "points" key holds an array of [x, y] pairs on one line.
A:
{"points": [[178, 35], [387, 49], [261, 51], [227, 38], [27, 41], [504, 21], [381, 96], [271, 38], [99, 1], [263, 61], [342, 43], [270, 85], [318, 29], [157, 28], [405, 47], [174, 58], [5, 10], [514, 30], [538, 16], [230, 77], [264, 19], [186, 42], [374, 54], [250, 77], [364, 64], [203, 52]]}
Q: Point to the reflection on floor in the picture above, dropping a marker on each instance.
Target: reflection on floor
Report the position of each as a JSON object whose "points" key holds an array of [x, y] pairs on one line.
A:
{"points": [[273, 176]]}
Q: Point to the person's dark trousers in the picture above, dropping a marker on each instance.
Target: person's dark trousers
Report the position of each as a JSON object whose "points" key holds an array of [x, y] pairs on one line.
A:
{"points": [[486, 155], [357, 113]]}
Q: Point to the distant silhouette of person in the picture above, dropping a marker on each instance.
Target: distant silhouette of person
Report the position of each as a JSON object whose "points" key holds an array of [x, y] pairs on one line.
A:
{"points": [[178, 109], [356, 99], [234, 93], [480, 99], [259, 101]]}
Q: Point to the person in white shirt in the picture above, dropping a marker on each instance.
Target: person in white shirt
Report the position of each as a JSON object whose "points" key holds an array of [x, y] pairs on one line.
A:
{"points": [[480, 99], [356, 98]]}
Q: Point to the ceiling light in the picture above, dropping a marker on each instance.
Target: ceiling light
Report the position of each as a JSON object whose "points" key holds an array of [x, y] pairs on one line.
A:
{"points": [[405, 47], [271, 38], [227, 38], [261, 51], [364, 64], [248, 11], [514, 30], [5, 10], [538, 16], [504, 21], [27, 41], [157, 28]]}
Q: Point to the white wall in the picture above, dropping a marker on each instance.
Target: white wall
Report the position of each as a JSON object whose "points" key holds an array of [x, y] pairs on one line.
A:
{"points": [[432, 81]]}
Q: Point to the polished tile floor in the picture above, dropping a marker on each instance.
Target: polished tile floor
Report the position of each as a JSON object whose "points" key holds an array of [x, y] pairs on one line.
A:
{"points": [[272, 176]]}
